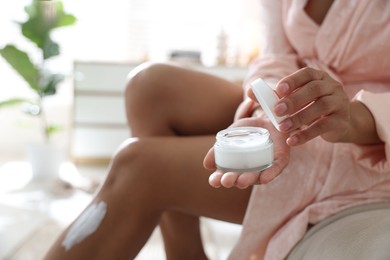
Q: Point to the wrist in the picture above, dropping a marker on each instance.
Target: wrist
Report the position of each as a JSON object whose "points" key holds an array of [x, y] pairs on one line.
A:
{"points": [[362, 128]]}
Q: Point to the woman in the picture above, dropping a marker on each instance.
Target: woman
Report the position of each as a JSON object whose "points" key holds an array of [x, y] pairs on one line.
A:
{"points": [[326, 61]]}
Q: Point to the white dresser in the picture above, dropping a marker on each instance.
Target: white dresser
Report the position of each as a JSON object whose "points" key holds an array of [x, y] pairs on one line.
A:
{"points": [[98, 118]]}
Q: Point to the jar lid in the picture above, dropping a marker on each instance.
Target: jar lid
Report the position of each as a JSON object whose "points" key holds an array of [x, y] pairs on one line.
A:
{"points": [[267, 99]]}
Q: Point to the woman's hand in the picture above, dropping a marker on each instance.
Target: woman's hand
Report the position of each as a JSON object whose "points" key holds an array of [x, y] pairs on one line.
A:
{"points": [[316, 104], [244, 180]]}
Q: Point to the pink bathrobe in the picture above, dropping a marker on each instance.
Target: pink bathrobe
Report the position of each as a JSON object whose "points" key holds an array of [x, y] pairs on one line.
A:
{"points": [[353, 46]]}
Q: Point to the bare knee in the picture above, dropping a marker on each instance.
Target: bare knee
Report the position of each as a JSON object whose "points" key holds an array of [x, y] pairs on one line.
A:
{"points": [[137, 83], [143, 88], [134, 168], [149, 99], [126, 167]]}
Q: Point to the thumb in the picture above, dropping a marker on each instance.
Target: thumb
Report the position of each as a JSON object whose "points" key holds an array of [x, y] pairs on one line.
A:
{"points": [[209, 160], [251, 95]]}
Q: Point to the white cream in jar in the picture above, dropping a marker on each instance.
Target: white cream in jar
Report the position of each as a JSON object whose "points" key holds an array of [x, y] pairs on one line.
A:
{"points": [[243, 149]]}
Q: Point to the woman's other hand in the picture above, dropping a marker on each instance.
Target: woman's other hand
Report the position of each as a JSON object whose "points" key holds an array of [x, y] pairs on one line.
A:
{"points": [[244, 180], [316, 105], [245, 109]]}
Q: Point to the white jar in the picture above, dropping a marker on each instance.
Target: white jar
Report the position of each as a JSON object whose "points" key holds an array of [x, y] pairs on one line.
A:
{"points": [[243, 149]]}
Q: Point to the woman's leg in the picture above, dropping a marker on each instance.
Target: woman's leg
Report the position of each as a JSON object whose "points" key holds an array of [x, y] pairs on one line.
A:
{"points": [[152, 175], [167, 100], [182, 236], [147, 177], [181, 93]]}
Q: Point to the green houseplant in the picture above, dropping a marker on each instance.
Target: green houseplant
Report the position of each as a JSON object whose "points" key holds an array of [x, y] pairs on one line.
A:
{"points": [[43, 17]]}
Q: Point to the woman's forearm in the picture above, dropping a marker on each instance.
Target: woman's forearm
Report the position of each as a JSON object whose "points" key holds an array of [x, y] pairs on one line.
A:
{"points": [[362, 128]]}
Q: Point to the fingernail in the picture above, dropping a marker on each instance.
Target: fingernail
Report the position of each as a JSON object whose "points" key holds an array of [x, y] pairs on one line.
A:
{"points": [[283, 88], [212, 179], [285, 125], [293, 140], [280, 109]]}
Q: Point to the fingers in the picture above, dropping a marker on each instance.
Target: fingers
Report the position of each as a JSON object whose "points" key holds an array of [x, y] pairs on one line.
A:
{"points": [[233, 179], [324, 106], [319, 127], [299, 78], [242, 180], [218, 179], [229, 179], [299, 99], [251, 95], [316, 104], [248, 179], [209, 160], [215, 179], [245, 109], [302, 88]]}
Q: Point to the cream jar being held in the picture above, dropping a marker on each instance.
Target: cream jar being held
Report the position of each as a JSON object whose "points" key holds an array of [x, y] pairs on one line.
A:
{"points": [[243, 149]]}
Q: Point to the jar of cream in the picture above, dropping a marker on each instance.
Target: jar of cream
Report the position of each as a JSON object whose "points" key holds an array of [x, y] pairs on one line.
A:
{"points": [[243, 149]]}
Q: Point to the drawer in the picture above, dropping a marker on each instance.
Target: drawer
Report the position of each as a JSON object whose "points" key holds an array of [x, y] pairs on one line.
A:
{"points": [[234, 74], [95, 143], [99, 110], [101, 77]]}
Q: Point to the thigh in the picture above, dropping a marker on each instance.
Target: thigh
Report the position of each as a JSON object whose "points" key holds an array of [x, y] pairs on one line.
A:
{"points": [[187, 101]]}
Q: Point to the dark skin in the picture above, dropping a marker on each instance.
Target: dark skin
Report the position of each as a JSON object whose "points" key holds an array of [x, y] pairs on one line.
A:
{"points": [[317, 10]]}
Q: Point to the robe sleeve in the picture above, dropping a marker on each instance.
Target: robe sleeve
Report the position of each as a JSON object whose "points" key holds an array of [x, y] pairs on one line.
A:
{"points": [[379, 106], [277, 57]]}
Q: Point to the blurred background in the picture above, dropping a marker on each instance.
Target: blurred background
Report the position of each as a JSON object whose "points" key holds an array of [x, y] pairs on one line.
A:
{"points": [[96, 54], [125, 31]]}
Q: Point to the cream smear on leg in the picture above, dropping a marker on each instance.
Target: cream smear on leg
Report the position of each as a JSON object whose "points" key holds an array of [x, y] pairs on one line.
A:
{"points": [[85, 225]]}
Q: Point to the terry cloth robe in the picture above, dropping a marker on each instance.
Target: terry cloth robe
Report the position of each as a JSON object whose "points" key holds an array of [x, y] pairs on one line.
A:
{"points": [[353, 46]]}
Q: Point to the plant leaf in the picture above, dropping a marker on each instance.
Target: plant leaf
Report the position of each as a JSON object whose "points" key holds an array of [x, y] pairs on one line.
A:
{"points": [[50, 48], [36, 28], [64, 19], [50, 87], [43, 17], [21, 62], [51, 129], [14, 101]]}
